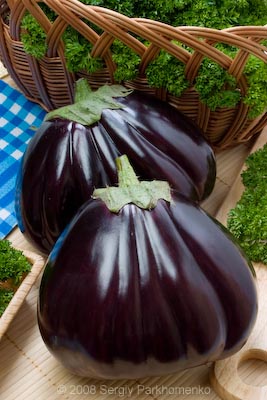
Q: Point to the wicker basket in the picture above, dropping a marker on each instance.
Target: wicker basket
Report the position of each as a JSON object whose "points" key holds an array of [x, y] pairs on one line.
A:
{"points": [[48, 82], [37, 263]]}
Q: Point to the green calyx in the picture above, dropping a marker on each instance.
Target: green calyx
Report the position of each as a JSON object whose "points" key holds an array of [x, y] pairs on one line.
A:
{"points": [[144, 194], [88, 105]]}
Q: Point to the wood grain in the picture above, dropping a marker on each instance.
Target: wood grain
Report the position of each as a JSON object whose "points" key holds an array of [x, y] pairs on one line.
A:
{"points": [[225, 376], [28, 371]]}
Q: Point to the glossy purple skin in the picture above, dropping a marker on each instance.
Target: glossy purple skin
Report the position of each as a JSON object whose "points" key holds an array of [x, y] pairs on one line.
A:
{"points": [[66, 161], [143, 293]]}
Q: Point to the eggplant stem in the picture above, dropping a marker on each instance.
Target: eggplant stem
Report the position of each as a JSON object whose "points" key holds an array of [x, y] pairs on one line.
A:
{"points": [[144, 194], [89, 105], [126, 175]]}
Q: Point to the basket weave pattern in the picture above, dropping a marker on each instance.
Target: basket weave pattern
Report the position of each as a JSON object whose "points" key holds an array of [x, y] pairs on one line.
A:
{"points": [[48, 82]]}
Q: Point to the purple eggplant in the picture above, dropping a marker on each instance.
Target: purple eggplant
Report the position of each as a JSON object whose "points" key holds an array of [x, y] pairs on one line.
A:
{"points": [[71, 154], [137, 290]]}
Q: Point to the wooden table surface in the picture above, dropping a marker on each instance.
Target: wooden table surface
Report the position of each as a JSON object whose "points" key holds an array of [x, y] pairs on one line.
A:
{"points": [[29, 372]]}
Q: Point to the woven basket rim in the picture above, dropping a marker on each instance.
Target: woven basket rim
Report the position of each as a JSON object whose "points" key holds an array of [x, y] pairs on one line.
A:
{"points": [[159, 35]]}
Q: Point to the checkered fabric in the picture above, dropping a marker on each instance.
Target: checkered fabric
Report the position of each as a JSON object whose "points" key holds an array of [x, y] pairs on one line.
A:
{"points": [[18, 118]]}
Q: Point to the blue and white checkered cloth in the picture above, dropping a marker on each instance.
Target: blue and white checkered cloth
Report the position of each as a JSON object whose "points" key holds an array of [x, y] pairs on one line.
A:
{"points": [[18, 116]]}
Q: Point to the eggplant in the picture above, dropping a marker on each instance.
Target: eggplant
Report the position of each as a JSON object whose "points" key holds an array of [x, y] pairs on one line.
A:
{"points": [[73, 152], [143, 283]]}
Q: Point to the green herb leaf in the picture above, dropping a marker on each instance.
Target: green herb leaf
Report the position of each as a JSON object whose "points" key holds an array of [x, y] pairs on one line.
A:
{"points": [[5, 298], [248, 219], [256, 98], [216, 88], [126, 60], [174, 81], [33, 37], [13, 264], [78, 53]]}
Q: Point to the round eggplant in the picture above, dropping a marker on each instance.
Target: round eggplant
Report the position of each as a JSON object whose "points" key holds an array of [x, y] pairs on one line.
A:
{"points": [[134, 291], [68, 158]]}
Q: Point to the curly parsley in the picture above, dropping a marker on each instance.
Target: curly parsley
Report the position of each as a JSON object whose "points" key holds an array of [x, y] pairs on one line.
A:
{"points": [[248, 219], [5, 298], [215, 86], [174, 81], [13, 266]]}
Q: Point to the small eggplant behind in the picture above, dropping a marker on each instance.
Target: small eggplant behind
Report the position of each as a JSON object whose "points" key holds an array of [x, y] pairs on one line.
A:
{"points": [[137, 292], [66, 160]]}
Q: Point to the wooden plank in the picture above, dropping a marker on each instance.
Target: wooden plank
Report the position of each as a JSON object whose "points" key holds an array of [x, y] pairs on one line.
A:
{"points": [[225, 377], [26, 365]]}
